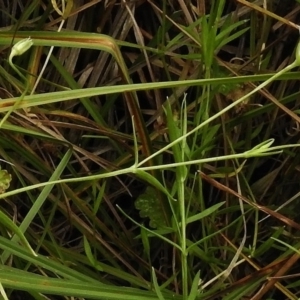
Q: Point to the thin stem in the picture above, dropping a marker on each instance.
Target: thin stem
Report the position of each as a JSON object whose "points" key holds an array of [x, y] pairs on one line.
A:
{"points": [[22, 95], [184, 268], [217, 115]]}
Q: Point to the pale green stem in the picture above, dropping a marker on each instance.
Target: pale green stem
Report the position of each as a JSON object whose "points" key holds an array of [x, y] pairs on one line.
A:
{"points": [[21, 97], [217, 115]]}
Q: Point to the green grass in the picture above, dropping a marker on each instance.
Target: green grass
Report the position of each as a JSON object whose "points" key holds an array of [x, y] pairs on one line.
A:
{"points": [[145, 150]]}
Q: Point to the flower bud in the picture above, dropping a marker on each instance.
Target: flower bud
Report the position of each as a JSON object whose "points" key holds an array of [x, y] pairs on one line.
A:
{"points": [[20, 47]]}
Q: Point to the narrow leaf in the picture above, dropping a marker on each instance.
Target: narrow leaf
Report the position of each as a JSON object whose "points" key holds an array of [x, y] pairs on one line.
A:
{"points": [[204, 213]]}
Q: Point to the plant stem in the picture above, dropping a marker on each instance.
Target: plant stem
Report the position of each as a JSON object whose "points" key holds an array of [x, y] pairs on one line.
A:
{"points": [[227, 108]]}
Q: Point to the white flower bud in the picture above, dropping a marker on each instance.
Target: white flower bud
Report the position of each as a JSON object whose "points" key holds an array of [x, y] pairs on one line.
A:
{"points": [[20, 47]]}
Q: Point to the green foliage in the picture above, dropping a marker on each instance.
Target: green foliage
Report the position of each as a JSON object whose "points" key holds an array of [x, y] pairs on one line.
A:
{"points": [[148, 206], [5, 179]]}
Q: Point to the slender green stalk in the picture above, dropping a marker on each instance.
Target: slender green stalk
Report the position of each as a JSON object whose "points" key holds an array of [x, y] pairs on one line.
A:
{"points": [[181, 175], [296, 63], [18, 49], [256, 151]]}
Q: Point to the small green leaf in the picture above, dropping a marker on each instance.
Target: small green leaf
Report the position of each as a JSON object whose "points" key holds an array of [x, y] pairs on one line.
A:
{"points": [[195, 287], [89, 254], [7, 222], [146, 244], [148, 205], [5, 179], [153, 181], [156, 286], [204, 213]]}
